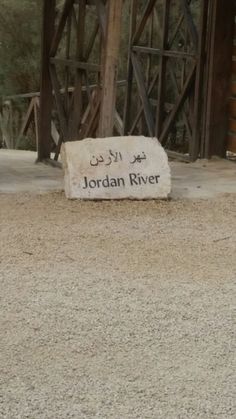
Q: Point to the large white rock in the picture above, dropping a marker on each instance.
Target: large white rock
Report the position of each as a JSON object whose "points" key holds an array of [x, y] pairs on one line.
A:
{"points": [[116, 168]]}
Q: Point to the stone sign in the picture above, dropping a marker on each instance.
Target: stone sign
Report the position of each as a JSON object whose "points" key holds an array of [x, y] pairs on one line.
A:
{"points": [[116, 168]]}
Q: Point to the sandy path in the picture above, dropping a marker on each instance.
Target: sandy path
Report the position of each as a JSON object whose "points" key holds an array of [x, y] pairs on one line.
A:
{"points": [[117, 310]]}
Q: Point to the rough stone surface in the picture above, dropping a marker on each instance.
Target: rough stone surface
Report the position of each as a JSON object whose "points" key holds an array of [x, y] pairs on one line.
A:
{"points": [[116, 168]]}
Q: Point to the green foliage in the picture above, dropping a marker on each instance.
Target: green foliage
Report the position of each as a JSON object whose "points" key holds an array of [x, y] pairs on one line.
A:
{"points": [[20, 25]]}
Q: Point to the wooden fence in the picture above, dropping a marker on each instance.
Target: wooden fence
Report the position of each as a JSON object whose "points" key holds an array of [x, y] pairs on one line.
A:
{"points": [[19, 119]]}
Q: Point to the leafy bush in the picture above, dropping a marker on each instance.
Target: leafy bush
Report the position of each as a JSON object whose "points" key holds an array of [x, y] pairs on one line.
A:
{"points": [[20, 26]]}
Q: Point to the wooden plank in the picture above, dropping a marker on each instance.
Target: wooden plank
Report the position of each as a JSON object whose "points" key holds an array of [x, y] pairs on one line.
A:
{"points": [[150, 45], [81, 65], [67, 56], [54, 133], [190, 22], [78, 97], [120, 83], [36, 123], [234, 67], [161, 52], [178, 92], [59, 31], [46, 96], [139, 114], [119, 124], [232, 107], [207, 80], [146, 14], [27, 119], [91, 42], [222, 30], [143, 95], [232, 125], [91, 119], [177, 27], [168, 53], [178, 156], [59, 103], [128, 94], [231, 142], [21, 96], [184, 94], [6, 132], [162, 71], [113, 36], [74, 19], [102, 17], [58, 148], [195, 142], [233, 88], [87, 113]]}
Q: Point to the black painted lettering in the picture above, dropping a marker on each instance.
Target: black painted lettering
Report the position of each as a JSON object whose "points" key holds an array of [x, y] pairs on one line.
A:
{"points": [[144, 179], [120, 181], [99, 181], [85, 183], [152, 180], [92, 183], [105, 182], [113, 183], [133, 179], [157, 178]]}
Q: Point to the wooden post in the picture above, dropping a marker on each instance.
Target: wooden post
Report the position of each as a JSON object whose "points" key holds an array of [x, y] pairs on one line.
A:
{"points": [[195, 143], [220, 68], [113, 35], [78, 95], [46, 97], [162, 71], [127, 107]]}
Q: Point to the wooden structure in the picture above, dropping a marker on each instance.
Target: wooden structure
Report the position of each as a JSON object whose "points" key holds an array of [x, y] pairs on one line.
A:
{"points": [[178, 76], [231, 143]]}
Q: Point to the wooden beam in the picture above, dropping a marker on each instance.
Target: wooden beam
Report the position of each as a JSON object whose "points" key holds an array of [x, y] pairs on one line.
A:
{"points": [[113, 35], [139, 114], [198, 117], [162, 52], [130, 72], [184, 94], [80, 65], [102, 17], [219, 77], [178, 92], [60, 104], [143, 95], [146, 14], [67, 56], [78, 97], [27, 120], [36, 123], [162, 71], [120, 83], [91, 42], [58, 34], [46, 97], [190, 22]]}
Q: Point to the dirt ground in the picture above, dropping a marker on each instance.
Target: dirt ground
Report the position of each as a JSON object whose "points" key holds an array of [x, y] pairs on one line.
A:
{"points": [[117, 310]]}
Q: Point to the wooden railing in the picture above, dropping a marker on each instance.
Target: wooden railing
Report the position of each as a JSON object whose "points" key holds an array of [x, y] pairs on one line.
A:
{"points": [[15, 120]]}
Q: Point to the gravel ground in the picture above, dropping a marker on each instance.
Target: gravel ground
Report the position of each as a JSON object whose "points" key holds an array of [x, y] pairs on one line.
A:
{"points": [[117, 310]]}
